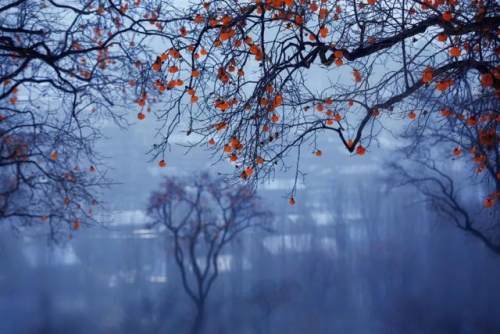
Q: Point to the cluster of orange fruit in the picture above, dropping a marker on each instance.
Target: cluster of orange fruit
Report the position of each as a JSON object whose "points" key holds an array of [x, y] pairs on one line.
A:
{"points": [[13, 91], [486, 79]]}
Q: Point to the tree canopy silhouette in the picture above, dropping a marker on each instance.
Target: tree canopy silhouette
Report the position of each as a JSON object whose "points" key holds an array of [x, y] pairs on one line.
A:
{"points": [[258, 79], [254, 80], [65, 66]]}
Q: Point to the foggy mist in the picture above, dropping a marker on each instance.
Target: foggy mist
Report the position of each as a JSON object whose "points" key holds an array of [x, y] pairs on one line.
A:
{"points": [[249, 167]]}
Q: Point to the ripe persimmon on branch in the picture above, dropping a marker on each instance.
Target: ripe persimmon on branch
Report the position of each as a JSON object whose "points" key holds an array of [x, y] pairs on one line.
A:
{"points": [[258, 79], [240, 74]]}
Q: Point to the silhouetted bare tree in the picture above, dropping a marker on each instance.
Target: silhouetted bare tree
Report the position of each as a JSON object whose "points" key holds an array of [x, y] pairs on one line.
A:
{"points": [[202, 215], [465, 135]]}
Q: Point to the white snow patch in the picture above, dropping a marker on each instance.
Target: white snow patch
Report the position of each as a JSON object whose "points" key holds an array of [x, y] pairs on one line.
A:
{"points": [[129, 217], [158, 279], [322, 217]]}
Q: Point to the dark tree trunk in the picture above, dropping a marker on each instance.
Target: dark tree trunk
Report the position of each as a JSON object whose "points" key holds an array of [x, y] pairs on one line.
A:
{"points": [[199, 320]]}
